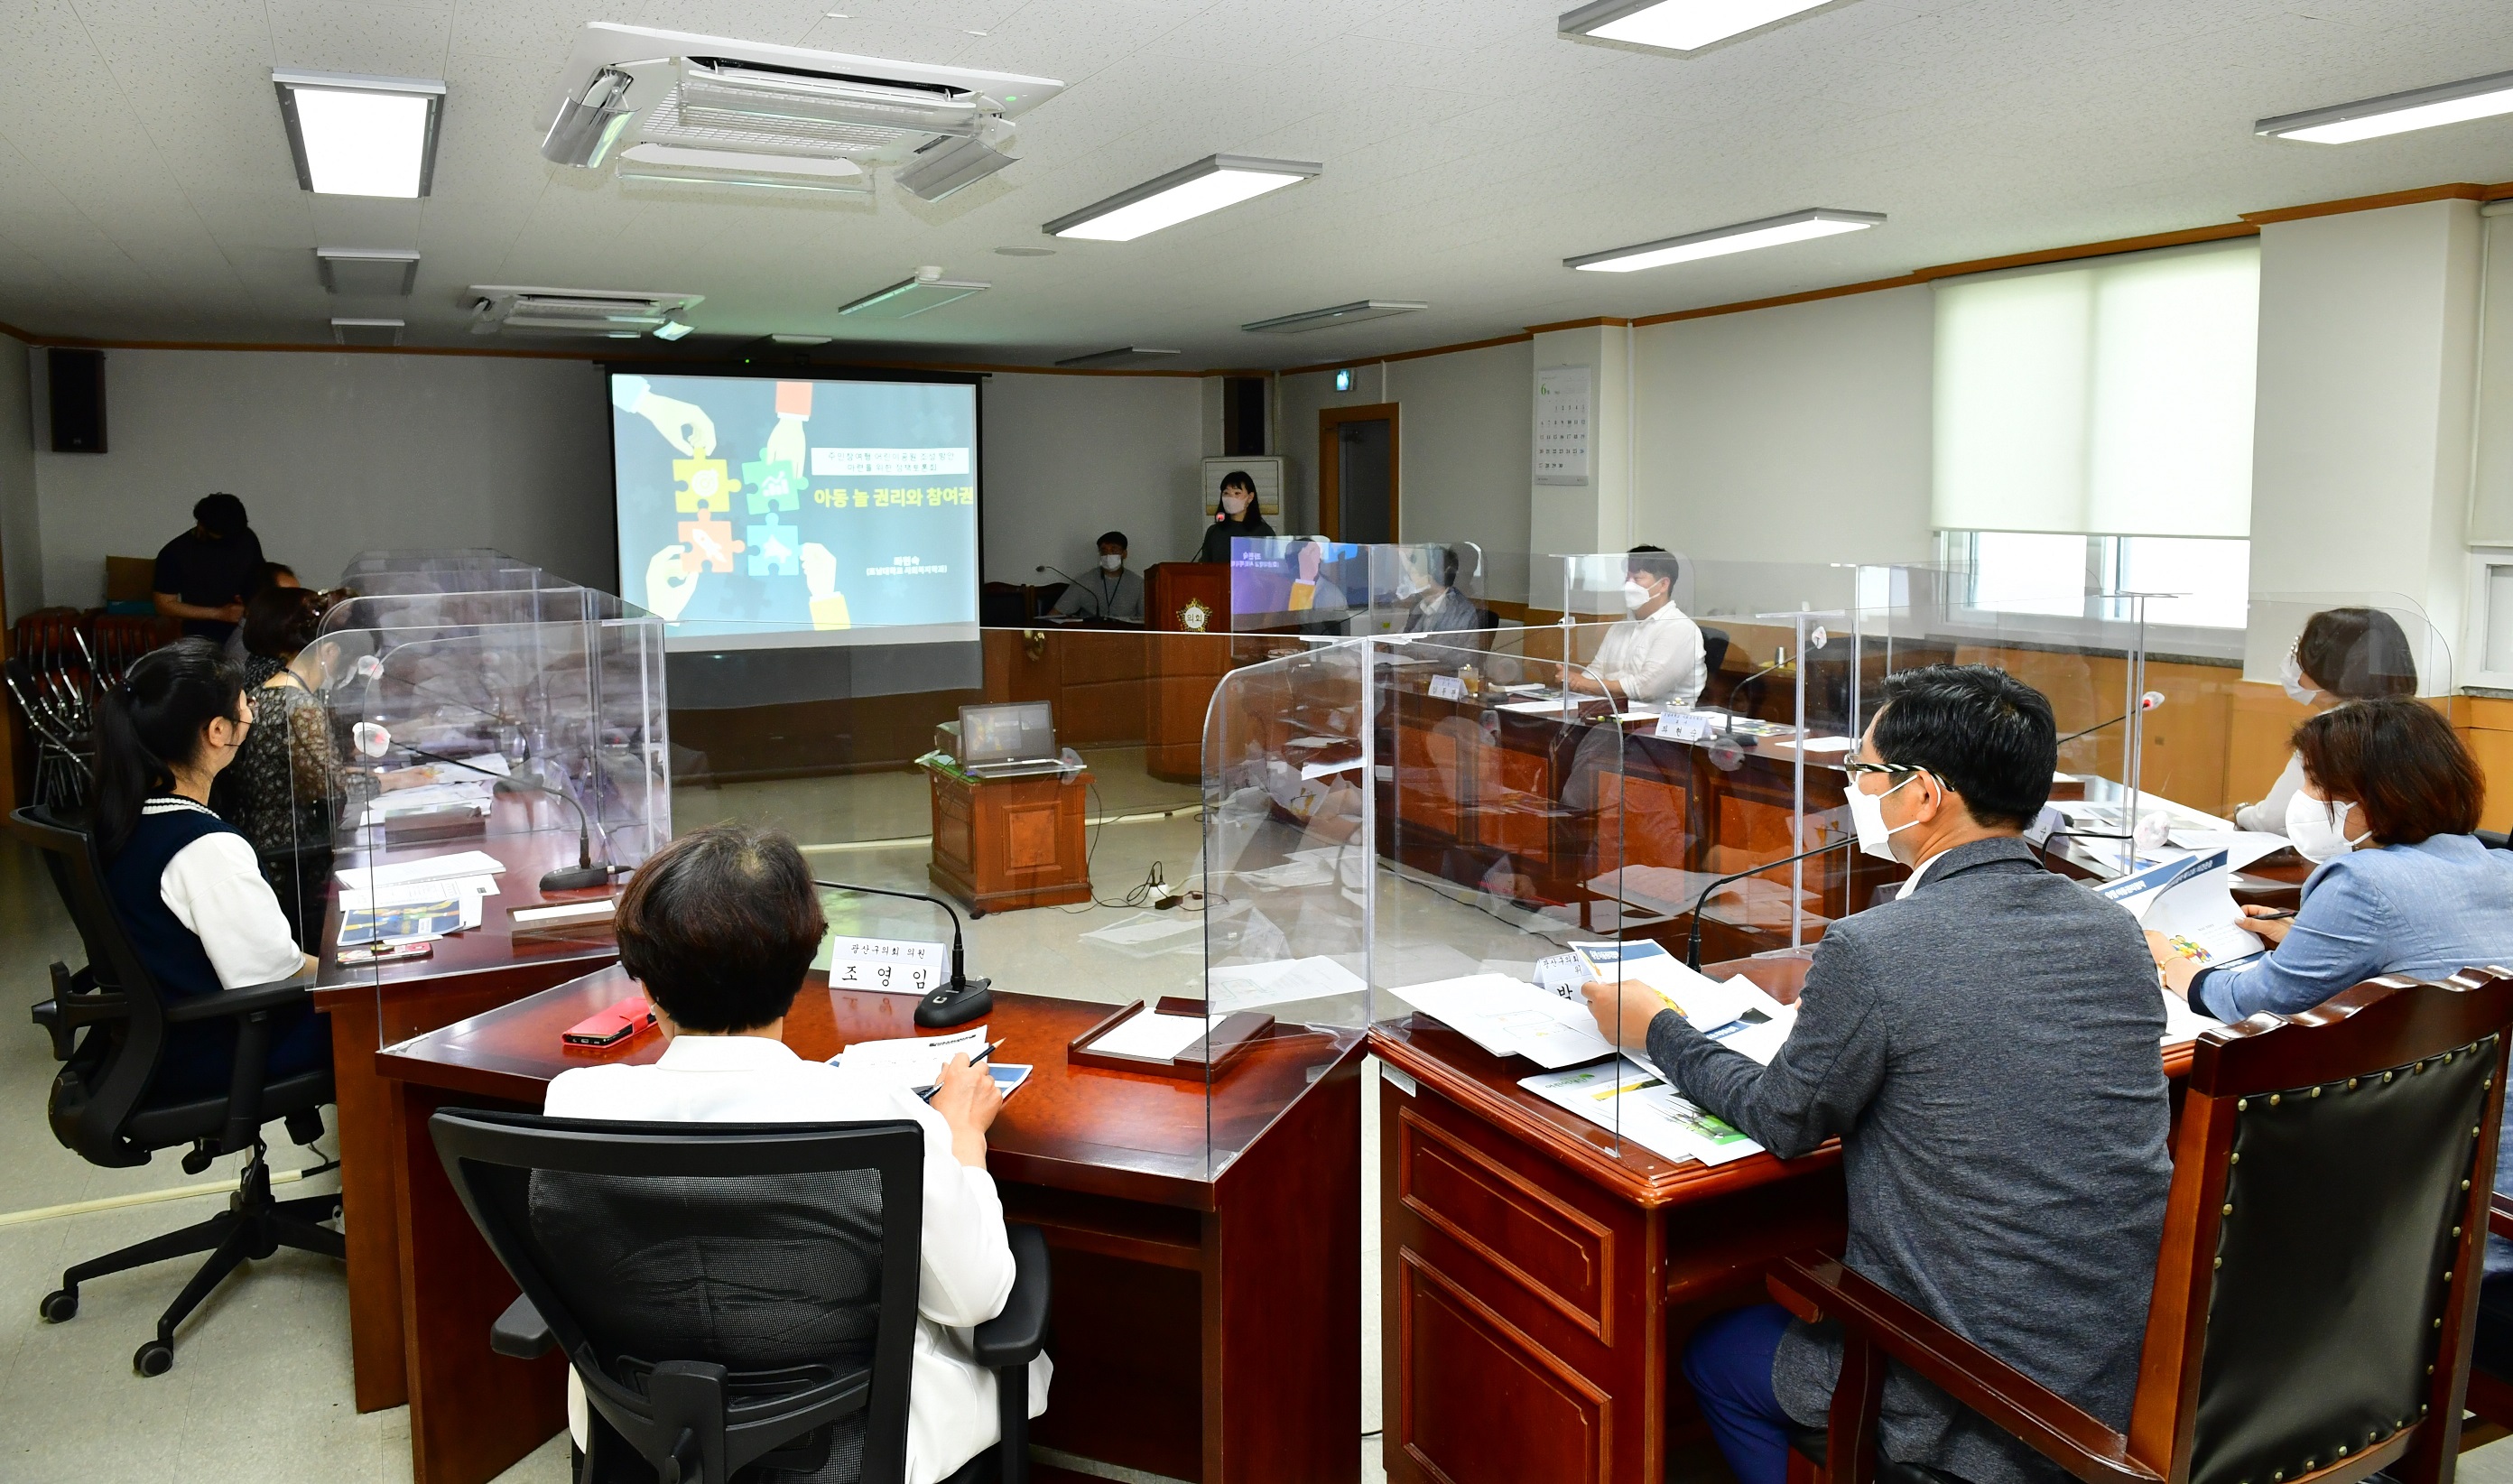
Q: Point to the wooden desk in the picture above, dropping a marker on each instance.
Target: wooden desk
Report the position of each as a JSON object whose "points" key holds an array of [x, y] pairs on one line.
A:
{"points": [[1206, 1255], [377, 1005], [1005, 843], [1538, 1284]]}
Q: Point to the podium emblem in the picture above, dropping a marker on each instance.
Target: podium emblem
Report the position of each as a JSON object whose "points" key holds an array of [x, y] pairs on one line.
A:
{"points": [[1194, 615]]}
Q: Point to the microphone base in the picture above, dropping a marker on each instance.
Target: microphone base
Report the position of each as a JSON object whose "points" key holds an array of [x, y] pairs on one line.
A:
{"points": [[577, 878], [955, 1005]]}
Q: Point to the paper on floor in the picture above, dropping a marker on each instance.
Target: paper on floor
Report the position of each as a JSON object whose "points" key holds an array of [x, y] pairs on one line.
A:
{"points": [[1252, 987]]}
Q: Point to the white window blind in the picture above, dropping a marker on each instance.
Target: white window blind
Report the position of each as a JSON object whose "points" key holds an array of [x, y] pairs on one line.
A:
{"points": [[2111, 398]]}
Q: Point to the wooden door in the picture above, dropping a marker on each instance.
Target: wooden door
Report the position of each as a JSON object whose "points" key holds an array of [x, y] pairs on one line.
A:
{"points": [[1336, 426]]}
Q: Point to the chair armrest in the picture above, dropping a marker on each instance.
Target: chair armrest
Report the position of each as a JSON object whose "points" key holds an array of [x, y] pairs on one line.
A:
{"points": [[228, 1004], [1012, 1337], [520, 1332], [2500, 1214], [2016, 1403]]}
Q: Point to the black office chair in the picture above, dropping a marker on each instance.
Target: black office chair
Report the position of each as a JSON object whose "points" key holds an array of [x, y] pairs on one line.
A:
{"points": [[1714, 654], [734, 1297], [109, 1022]]}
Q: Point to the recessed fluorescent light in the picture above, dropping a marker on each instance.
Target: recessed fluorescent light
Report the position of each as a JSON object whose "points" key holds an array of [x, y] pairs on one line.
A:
{"points": [[911, 297], [1718, 241], [672, 330], [1122, 355], [1025, 252], [2396, 113], [367, 332], [366, 270], [1339, 314], [358, 136], [799, 340], [1678, 25], [1207, 185]]}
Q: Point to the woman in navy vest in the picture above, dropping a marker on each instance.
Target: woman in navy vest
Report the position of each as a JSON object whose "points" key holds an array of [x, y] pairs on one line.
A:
{"points": [[184, 882]]}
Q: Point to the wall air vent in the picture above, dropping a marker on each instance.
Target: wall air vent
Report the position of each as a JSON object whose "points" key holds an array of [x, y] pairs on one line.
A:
{"points": [[756, 105]]}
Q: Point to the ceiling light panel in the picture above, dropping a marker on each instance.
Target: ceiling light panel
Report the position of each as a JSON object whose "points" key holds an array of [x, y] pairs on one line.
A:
{"points": [[1122, 355], [367, 332], [2396, 113], [1208, 185], [367, 272], [1678, 25], [909, 298], [1354, 313], [1720, 241], [352, 134]]}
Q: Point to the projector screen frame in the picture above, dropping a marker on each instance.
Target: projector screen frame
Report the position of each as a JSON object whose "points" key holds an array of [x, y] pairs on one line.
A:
{"points": [[810, 371]]}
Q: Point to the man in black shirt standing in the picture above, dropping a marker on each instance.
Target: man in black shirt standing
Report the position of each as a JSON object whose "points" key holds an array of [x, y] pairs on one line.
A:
{"points": [[204, 575]]}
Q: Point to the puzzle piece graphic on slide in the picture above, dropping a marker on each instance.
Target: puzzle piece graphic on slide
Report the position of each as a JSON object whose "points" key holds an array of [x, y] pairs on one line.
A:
{"points": [[710, 541], [775, 484], [706, 485], [775, 549]]}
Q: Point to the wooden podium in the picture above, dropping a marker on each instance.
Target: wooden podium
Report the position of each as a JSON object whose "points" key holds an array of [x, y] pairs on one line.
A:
{"points": [[1188, 603], [1005, 843]]}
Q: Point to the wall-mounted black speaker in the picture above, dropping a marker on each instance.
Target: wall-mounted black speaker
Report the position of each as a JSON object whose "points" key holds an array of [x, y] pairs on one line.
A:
{"points": [[77, 379]]}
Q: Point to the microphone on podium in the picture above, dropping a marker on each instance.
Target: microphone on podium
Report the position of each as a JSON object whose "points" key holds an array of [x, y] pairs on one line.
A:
{"points": [[375, 741]]}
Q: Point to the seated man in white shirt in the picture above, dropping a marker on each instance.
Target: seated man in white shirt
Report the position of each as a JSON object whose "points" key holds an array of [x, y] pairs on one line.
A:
{"points": [[720, 928], [1655, 655], [1111, 592]]}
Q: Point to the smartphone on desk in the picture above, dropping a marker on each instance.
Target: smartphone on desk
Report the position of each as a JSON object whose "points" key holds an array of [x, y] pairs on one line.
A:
{"points": [[612, 1026]]}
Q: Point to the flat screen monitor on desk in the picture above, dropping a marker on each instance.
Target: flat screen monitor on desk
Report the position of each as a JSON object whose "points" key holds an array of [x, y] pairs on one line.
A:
{"points": [[1005, 734]]}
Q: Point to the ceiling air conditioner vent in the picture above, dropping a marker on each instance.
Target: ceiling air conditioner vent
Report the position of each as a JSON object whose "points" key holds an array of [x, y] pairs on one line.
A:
{"points": [[681, 95], [615, 314]]}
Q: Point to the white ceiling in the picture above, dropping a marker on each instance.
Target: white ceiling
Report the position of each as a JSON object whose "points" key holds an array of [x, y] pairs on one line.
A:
{"points": [[146, 192]]}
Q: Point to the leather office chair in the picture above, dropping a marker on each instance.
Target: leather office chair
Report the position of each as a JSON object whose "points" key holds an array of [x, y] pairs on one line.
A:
{"points": [[1714, 654], [732, 1296], [109, 1022], [2357, 1138]]}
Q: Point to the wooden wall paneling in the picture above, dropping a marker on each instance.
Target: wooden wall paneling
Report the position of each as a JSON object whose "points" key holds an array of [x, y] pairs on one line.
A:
{"points": [[2485, 724]]}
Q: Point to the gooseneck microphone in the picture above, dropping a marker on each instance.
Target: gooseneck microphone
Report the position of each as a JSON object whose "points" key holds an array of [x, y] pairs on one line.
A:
{"points": [[956, 1003], [584, 876], [1693, 940], [2147, 702]]}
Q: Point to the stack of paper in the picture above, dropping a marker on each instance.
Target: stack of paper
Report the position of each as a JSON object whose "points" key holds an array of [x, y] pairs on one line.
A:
{"points": [[2190, 901], [416, 901], [1638, 1105], [1509, 1017], [1736, 1012], [478, 795]]}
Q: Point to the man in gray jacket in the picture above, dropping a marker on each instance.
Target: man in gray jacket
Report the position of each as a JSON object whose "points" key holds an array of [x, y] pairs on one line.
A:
{"points": [[1985, 1049]]}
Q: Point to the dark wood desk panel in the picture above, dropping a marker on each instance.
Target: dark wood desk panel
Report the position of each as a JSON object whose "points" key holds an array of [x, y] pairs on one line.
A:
{"points": [[1206, 1251], [377, 1005], [1007, 843], [1538, 1282]]}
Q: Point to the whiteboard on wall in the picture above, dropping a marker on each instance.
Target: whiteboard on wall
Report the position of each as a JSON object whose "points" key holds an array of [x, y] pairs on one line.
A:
{"points": [[1265, 469], [1563, 414]]}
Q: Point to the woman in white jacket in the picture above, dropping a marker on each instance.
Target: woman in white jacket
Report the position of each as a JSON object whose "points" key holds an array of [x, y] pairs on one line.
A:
{"points": [[720, 928], [2342, 655]]}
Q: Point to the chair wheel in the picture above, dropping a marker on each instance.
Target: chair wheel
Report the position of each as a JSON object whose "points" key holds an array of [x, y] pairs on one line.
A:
{"points": [[268, 1244], [155, 1358], [59, 1306]]}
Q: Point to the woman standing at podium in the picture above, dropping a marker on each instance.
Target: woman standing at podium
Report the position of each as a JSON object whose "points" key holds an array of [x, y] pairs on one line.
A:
{"points": [[1236, 518]]}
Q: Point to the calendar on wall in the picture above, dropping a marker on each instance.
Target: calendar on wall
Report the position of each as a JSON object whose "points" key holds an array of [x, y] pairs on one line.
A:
{"points": [[1562, 423]]}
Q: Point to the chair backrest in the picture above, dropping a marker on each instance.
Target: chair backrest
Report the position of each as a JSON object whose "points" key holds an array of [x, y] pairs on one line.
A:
{"points": [[2316, 1293], [1714, 654], [106, 1099], [784, 1254]]}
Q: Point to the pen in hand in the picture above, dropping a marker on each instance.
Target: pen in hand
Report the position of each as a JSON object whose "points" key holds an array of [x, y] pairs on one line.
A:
{"points": [[982, 1053]]}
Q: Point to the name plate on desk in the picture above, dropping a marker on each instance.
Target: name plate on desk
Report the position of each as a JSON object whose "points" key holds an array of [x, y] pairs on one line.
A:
{"points": [[886, 963], [1448, 687], [1685, 726], [1151, 1041]]}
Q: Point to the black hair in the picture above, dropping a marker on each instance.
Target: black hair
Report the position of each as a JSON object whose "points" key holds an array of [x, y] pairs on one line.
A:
{"points": [[1116, 539], [2360, 653], [1985, 734], [271, 573], [156, 719], [1448, 566], [1237, 479], [721, 924], [278, 622], [220, 514], [1657, 561]]}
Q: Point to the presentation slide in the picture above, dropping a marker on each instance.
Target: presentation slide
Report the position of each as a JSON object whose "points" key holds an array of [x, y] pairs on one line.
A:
{"points": [[758, 512]]}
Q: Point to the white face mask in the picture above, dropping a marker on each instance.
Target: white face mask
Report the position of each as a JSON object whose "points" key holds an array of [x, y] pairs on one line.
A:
{"points": [[1111, 563], [1235, 503], [2291, 677], [1867, 811], [2317, 830], [1635, 596]]}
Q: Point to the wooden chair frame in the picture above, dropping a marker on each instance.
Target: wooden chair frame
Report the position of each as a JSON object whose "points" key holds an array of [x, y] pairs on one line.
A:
{"points": [[2384, 1023]]}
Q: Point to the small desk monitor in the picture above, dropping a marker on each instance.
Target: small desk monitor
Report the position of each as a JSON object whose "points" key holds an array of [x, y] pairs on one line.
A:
{"points": [[1002, 734]]}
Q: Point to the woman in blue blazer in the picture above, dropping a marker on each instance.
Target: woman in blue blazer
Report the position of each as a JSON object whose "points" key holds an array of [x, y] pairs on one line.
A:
{"points": [[2388, 807]]}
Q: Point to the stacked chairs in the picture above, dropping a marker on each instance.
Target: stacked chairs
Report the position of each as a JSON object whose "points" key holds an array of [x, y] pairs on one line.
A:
{"points": [[60, 660]]}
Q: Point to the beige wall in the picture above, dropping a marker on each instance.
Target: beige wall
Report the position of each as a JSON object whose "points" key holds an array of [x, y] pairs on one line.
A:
{"points": [[22, 537]]}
